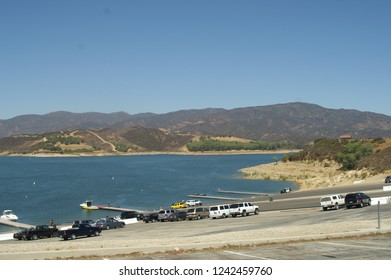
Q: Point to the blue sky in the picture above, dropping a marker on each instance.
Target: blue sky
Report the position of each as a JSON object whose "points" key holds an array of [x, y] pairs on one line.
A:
{"points": [[163, 56]]}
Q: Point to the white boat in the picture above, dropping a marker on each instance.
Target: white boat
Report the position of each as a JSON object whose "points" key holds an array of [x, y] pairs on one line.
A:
{"points": [[87, 205], [7, 214]]}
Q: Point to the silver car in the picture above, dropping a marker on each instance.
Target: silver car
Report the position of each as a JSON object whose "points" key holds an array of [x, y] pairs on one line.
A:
{"points": [[109, 223], [164, 214]]}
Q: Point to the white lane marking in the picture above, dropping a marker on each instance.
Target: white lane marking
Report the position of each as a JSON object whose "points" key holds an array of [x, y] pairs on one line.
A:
{"points": [[245, 255], [357, 246]]}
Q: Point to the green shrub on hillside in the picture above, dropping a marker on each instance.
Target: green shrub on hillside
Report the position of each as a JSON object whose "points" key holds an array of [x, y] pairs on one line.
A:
{"points": [[63, 139], [352, 153], [346, 152], [217, 145]]}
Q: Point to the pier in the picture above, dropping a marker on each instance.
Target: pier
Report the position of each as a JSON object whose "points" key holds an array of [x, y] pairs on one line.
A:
{"points": [[212, 197], [240, 192], [118, 209], [14, 224]]}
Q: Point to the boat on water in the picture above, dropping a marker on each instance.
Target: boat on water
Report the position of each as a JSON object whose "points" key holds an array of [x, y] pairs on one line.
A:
{"points": [[87, 205], [9, 215]]}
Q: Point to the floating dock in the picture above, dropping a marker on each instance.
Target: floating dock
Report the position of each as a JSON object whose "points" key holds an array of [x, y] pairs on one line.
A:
{"points": [[240, 192], [118, 209], [14, 224], [211, 197]]}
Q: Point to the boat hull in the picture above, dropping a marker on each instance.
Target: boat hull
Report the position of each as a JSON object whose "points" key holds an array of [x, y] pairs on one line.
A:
{"points": [[88, 207]]}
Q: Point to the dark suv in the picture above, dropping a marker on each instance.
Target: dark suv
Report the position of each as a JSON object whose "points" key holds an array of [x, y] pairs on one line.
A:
{"points": [[358, 199], [151, 217], [130, 215], [388, 179]]}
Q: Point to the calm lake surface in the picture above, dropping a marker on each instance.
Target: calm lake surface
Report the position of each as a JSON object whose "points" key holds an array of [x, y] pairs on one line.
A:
{"points": [[41, 189]]}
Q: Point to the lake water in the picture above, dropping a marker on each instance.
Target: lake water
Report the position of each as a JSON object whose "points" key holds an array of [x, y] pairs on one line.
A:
{"points": [[41, 189]]}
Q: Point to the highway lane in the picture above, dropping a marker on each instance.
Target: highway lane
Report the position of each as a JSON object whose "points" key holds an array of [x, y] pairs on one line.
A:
{"points": [[308, 199]]}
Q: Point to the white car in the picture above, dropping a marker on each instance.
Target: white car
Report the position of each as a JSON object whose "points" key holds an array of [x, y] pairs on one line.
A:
{"points": [[192, 203], [332, 201], [219, 211]]}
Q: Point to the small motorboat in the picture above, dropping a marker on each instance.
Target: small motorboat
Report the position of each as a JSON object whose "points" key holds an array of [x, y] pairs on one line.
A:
{"points": [[87, 205], [9, 215]]}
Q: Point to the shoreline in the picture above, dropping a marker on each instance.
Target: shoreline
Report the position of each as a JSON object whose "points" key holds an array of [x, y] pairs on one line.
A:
{"points": [[310, 175], [185, 153]]}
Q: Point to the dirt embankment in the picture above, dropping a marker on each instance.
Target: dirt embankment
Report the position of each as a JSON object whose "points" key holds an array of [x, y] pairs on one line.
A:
{"points": [[309, 174]]}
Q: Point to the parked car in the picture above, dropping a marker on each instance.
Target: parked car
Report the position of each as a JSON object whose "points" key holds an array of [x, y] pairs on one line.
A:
{"points": [[109, 223], [88, 222], [79, 230], [40, 231], [177, 216], [219, 211], [332, 201], [197, 213], [163, 214], [151, 217], [130, 215], [358, 199], [193, 202], [285, 190], [179, 205], [387, 180], [243, 209]]}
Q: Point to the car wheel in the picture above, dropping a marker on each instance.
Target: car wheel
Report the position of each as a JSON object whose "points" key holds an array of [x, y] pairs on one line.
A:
{"points": [[336, 206], [369, 203], [244, 213], [349, 207], [34, 237], [361, 204], [96, 233], [73, 237], [224, 216], [107, 227], [256, 212], [324, 208]]}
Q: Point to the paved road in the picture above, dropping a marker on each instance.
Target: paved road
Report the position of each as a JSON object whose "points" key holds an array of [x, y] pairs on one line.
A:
{"points": [[369, 248], [308, 199]]}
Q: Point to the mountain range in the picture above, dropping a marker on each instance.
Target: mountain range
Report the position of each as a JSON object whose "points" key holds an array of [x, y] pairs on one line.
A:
{"points": [[297, 123]]}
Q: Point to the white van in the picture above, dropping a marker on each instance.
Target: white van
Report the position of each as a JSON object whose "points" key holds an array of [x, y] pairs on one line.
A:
{"points": [[219, 211], [332, 201]]}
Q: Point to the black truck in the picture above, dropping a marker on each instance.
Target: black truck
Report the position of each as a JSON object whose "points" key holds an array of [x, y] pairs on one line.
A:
{"points": [[78, 230], [40, 231]]}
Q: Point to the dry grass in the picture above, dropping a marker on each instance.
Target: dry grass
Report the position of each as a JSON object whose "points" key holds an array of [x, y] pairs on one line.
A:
{"points": [[308, 174]]}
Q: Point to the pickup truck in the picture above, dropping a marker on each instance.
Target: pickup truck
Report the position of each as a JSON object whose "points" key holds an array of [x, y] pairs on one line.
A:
{"points": [[79, 230], [332, 201], [243, 208], [193, 203], [37, 232]]}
